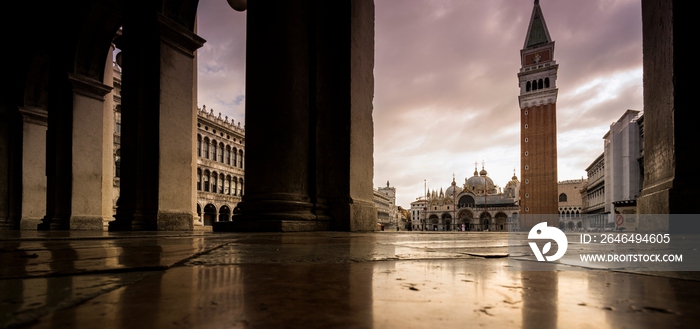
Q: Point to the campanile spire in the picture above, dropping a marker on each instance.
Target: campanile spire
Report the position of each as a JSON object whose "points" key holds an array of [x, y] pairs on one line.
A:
{"points": [[538, 130]]}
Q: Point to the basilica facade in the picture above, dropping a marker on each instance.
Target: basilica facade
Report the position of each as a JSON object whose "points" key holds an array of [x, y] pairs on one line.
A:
{"points": [[477, 205]]}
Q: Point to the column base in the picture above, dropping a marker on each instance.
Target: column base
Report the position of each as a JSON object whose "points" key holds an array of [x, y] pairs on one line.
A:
{"points": [[29, 224], [87, 223], [175, 221], [249, 224], [353, 215], [165, 221]]}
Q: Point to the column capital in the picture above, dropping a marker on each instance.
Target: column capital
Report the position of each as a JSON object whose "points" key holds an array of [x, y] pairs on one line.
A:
{"points": [[179, 37], [88, 87], [34, 115]]}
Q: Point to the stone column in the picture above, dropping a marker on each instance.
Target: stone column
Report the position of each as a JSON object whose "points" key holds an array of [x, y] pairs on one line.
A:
{"points": [[671, 180], [309, 131], [34, 122], [92, 149], [278, 95], [159, 126], [344, 126]]}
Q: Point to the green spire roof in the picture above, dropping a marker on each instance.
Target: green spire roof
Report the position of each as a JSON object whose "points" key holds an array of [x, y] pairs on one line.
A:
{"points": [[537, 32]]}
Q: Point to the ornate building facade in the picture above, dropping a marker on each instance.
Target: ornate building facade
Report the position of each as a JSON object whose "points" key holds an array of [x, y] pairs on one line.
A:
{"points": [[538, 143], [220, 166], [571, 205], [478, 205]]}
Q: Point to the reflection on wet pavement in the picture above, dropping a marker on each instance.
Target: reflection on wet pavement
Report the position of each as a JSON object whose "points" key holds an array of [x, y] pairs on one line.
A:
{"points": [[324, 280]]}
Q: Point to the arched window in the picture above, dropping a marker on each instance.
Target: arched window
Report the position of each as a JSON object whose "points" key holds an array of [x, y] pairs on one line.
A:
{"points": [[534, 84], [562, 197], [539, 84], [240, 158], [221, 183], [241, 185], [199, 179], [221, 152], [546, 82], [213, 150], [206, 148], [228, 155], [206, 180], [214, 178], [235, 185], [235, 156], [527, 86], [227, 185], [199, 145]]}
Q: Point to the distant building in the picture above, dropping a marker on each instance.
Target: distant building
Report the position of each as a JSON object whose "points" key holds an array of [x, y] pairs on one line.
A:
{"points": [[615, 178], [571, 205], [388, 213], [220, 166], [478, 205]]}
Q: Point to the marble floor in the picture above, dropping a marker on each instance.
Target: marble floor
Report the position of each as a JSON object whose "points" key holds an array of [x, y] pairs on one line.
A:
{"points": [[322, 280]]}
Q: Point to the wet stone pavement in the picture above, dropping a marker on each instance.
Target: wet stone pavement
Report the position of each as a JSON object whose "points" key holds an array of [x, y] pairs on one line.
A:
{"points": [[322, 280]]}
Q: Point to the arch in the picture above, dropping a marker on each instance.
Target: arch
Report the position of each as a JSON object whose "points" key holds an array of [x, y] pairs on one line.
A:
{"points": [[563, 197], [235, 156], [206, 178], [465, 216], [222, 178], [446, 221], [240, 159], [501, 221], [546, 82], [579, 225], [221, 152], [199, 211], [224, 214], [485, 221], [227, 157], [466, 200], [199, 179], [235, 185], [214, 144], [241, 181], [570, 225], [539, 84], [528, 86], [214, 181], [199, 145], [205, 146], [209, 214], [534, 84], [227, 185]]}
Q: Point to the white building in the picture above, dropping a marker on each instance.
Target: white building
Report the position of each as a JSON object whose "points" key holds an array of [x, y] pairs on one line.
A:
{"points": [[615, 177]]}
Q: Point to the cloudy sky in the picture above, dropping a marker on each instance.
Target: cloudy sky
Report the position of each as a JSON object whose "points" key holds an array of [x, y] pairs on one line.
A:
{"points": [[446, 87]]}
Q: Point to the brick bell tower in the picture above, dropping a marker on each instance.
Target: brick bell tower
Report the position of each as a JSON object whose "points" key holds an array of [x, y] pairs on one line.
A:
{"points": [[538, 129]]}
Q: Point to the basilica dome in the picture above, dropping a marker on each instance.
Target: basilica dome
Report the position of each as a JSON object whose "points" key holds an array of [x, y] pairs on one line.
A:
{"points": [[479, 181]]}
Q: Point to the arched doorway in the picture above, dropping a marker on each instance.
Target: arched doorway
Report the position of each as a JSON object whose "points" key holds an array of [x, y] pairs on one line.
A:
{"points": [[465, 219], [485, 221], [446, 222], [209, 214], [501, 222], [224, 214], [434, 221]]}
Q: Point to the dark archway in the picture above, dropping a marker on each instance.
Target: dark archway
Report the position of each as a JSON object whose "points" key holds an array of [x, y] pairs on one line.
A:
{"points": [[224, 213], [209, 214]]}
